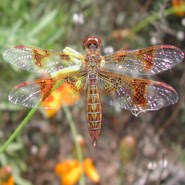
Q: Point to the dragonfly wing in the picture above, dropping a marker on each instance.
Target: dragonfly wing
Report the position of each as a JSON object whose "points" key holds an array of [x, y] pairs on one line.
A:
{"points": [[147, 61], [41, 60], [134, 94], [50, 93], [29, 94]]}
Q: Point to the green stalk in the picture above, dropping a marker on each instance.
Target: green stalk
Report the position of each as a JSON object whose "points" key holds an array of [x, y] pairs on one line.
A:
{"points": [[150, 19], [122, 174], [73, 131], [75, 136], [18, 130]]}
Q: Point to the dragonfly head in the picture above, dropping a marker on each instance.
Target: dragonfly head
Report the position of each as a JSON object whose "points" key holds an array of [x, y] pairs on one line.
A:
{"points": [[92, 43]]}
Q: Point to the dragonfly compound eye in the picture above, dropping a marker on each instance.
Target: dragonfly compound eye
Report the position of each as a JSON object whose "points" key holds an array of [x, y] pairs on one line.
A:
{"points": [[92, 42]]}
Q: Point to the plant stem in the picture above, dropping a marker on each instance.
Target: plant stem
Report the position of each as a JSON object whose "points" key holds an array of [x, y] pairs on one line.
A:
{"points": [[150, 19], [122, 174], [73, 131], [75, 136], [18, 129]]}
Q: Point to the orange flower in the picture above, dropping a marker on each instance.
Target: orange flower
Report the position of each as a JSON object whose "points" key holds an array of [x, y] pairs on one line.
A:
{"points": [[63, 95], [178, 4], [70, 171], [10, 181], [90, 170], [5, 176]]}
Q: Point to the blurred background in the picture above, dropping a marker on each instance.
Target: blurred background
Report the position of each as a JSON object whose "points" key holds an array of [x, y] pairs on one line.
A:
{"points": [[144, 150]]}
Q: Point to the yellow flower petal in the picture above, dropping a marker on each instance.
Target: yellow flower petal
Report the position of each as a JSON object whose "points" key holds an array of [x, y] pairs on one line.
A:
{"points": [[63, 95], [5, 176], [69, 171], [72, 177], [90, 170], [9, 182], [178, 4]]}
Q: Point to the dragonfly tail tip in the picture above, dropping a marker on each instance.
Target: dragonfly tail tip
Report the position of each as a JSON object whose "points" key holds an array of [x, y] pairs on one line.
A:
{"points": [[94, 143]]}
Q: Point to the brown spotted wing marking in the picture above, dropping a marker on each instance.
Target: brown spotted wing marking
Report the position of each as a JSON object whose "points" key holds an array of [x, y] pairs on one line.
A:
{"points": [[136, 95], [139, 91], [148, 57], [147, 61], [39, 55], [40, 60], [93, 109], [29, 94]]}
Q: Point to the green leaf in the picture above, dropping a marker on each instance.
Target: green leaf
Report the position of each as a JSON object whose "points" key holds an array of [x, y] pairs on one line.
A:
{"points": [[44, 22]]}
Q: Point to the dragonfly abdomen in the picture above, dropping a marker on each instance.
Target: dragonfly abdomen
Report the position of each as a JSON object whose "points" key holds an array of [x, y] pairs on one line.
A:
{"points": [[93, 110]]}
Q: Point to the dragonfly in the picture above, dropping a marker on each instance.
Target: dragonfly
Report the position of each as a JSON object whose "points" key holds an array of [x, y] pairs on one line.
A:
{"points": [[118, 79]]}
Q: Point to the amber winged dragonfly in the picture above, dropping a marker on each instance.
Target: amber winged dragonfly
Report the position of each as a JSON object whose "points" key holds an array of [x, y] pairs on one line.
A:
{"points": [[112, 78]]}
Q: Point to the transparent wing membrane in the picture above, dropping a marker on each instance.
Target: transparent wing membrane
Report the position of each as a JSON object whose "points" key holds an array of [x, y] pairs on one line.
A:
{"points": [[136, 95], [147, 61], [41, 60], [68, 70], [50, 92]]}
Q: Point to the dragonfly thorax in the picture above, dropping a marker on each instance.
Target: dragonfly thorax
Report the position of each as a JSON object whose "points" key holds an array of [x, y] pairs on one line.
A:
{"points": [[92, 62]]}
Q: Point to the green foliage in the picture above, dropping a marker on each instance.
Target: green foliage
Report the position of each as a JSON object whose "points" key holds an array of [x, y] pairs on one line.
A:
{"points": [[12, 158], [31, 23], [22, 22]]}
